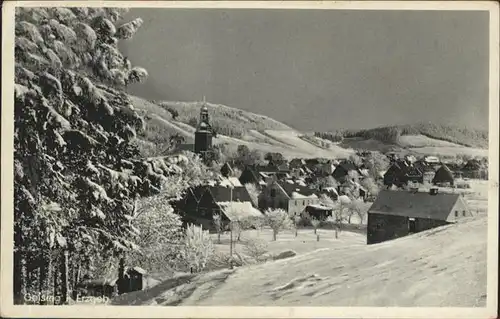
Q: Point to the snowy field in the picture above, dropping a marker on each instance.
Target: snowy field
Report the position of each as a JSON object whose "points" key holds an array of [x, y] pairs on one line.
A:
{"points": [[305, 241], [440, 267]]}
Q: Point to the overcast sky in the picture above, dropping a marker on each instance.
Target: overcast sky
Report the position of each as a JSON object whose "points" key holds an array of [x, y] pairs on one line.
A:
{"points": [[319, 69]]}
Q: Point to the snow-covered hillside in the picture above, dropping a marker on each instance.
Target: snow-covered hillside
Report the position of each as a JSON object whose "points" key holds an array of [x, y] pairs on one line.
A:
{"points": [[441, 267]]}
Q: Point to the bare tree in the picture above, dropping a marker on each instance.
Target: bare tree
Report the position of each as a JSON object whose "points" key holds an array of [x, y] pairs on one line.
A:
{"points": [[338, 217], [278, 220], [315, 223], [370, 185], [217, 220], [255, 248], [296, 221], [356, 208]]}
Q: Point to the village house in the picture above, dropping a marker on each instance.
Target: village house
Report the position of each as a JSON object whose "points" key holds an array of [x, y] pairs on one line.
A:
{"points": [[395, 214], [400, 173], [297, 163], [263, 174], [444, 176], [318, 211], [231, 203], [250, 175], [287, 195], [428, 170], [343, 170], [475, 169], [188, 204]]}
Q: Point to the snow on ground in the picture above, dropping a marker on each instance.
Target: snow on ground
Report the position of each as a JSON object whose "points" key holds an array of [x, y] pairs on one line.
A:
{"points": [[451, 151], [440, 267], [424, 141], [445, 266], [293, 138], [305, 241]]}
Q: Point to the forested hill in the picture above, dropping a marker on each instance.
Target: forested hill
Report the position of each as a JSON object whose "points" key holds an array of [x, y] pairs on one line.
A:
{"points": [[390, 134]]}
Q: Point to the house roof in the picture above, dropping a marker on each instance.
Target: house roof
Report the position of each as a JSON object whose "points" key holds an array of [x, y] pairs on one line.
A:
{"points": [[253, 172], [239, 210], [138, 269], [223, 194], [290, 189], [443, 174], [198, 191], [231, 181], [319, 207], [415, 204], [347, 165]]}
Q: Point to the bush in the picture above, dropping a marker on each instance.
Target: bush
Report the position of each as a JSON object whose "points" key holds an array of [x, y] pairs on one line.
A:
{"points": [[198, 248], [255, 248]]}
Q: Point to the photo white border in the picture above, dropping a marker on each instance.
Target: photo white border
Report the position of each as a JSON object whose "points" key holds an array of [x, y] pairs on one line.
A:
{"points": [[6, 279]]}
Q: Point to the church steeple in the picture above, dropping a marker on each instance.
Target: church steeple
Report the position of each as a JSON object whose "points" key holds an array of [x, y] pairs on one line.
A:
{"points": [[204, 133], [204, 123]]}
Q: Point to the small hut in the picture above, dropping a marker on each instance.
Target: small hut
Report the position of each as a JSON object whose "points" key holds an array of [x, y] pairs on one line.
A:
{"points": [[443, 176]]}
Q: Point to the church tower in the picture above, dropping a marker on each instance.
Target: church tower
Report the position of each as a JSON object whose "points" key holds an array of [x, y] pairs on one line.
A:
{"points": [[204, 133]]}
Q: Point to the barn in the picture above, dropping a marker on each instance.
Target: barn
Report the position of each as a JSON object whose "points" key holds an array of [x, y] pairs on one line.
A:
{"points": [[397, 214]]}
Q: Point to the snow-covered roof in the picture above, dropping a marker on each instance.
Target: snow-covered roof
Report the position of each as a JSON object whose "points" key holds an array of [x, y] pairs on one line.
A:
{"points": [[296, 195], [239, 210], [331, 189], [431, 159], [301, 183], [231, 181], [139, 270]]}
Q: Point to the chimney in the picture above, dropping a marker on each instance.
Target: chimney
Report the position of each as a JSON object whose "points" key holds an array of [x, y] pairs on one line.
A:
{"points": [[433, 191]]}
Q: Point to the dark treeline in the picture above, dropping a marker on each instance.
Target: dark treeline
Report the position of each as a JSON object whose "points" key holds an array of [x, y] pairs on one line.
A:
{"points": [[390, 134]]}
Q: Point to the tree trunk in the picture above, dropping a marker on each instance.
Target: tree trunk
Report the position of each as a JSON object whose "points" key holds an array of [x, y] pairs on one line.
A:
{"points": [[56, 279], [315, 230], [64, 278], [121, 276], [231, 243], [317, 237], [43, 278], [336, 233], [218, 237], [274, 235], [296, 232], [349, 219], [19, 278]]}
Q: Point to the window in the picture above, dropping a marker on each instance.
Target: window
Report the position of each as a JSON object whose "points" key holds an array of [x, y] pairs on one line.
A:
{"points": [[463, 213], [273, 193], [456, 213], [304, 202]]}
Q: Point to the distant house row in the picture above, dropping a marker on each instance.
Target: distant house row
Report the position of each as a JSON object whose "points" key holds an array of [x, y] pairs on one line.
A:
{"points": [[403, 172]]}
